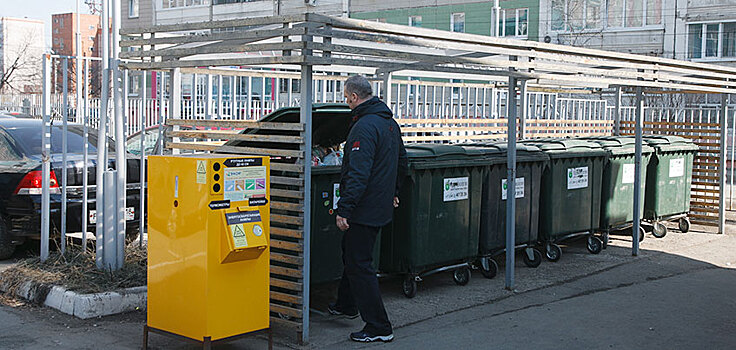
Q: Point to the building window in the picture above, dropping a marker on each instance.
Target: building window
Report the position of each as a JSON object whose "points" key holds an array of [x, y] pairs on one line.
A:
{"points": [[169, 4], [571, 15], [415, 21], [515, 22], [457, 22], [711, 40], [133, 8], [220, 2], [61, 22]]}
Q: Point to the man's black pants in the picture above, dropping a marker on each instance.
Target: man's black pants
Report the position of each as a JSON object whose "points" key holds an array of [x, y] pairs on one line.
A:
{"points": [[359, 284]]}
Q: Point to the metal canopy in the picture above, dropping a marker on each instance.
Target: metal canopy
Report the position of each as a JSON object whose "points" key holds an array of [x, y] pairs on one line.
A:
{"points": [[306, 42]]}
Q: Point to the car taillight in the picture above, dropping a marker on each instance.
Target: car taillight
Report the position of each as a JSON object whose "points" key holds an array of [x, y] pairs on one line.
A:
{"points": [[32, 183]]}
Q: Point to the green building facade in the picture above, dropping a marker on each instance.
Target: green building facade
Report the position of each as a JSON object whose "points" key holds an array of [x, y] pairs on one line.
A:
{"points": [[519, 18]]}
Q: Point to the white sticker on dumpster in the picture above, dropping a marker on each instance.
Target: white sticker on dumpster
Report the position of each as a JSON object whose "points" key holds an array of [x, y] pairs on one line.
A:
{"points": [[628, 175], [577, 178], [456, 189], [677, 167], [519, 184], [335, 195]]}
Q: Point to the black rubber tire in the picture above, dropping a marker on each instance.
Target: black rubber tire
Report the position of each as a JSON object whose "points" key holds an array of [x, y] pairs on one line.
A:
{"points": [[409, 287], [659, 230], [537, 258], [595, 244], [461, 275], [553, 252], [488, 267], [642, 232], [684, 225], [7, 248]]}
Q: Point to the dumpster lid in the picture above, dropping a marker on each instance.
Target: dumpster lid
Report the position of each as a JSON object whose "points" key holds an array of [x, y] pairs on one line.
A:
{"points": [[670, 143], [524, 152], [434, 151], [563, 148], [330, 125], [619, 145]]}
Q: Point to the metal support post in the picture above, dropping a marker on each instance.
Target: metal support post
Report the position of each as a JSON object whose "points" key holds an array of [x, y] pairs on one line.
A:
{"points": [[387, 89], [120, 136], [733, 155], [142, 166], [208, 96], [511, 185], [637, 171], [64, 147], [46, 157], [305, 116], [85, 157], [524, 104], [617, 114], [111, 258], [102, 135], [161, 114], [175, 101], [722, 165]]}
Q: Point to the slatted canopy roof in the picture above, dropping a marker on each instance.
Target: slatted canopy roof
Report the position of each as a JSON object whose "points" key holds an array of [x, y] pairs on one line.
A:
{"points": [[320, 40]]}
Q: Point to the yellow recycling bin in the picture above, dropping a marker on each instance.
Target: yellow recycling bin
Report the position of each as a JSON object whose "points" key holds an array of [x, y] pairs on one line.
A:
{"points": [[208, 246]]}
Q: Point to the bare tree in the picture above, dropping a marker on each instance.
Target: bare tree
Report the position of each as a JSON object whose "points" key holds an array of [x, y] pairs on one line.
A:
{"points": [[23, 64], [578, 24]]}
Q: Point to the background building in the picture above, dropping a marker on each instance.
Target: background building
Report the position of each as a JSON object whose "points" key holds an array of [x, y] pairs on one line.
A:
{"points": [[63, 30], [21, 47]]}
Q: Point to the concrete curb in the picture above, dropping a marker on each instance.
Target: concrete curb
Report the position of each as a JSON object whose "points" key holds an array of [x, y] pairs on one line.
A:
{"points": [[83, 305]]}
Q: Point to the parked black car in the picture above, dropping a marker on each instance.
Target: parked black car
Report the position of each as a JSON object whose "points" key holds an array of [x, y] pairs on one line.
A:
{"points": [[20, 182]]}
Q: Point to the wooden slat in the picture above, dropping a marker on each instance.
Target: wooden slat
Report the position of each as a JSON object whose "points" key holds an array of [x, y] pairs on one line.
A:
{"points": [[294, 168], [453, 138], [703, 183], [287, 259], [406, 130], [696, 204], [566, 121], [706, 217], [286, 298], [243, 124], [290, 324], [244, 61], [285, 232], [450, 121], [189, 26], [285, 310], [281, 283], [286, 206], [701, 170], [570, 127], [261, 34], [705, 190], [214, 134], [201, 146], [704, 210], [275, 192], [290, 246], [293, 181], [705, 177], [704, 197], [285, 271]]}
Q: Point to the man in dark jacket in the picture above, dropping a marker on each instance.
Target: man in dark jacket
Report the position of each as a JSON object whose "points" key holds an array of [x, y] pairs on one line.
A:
{"points": [[373, 165]]}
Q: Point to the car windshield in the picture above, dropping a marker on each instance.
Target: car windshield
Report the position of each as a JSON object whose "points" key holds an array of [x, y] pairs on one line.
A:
{"points": [[30, 139], [133, 145]]}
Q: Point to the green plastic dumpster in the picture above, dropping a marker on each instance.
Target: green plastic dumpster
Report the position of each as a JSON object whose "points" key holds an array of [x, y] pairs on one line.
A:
{"points": [[617, 191], [530, 162], [570, 203], [330, 126], [326, 245], [437, 223], [669, 177]]}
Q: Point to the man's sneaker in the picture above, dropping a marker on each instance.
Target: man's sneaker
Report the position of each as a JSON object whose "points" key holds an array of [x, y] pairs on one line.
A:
{"points": [[365, 337], [335, 310]]}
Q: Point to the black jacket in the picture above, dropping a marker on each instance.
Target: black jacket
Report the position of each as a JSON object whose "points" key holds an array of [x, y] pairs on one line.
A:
{"points": [[373, 166]]}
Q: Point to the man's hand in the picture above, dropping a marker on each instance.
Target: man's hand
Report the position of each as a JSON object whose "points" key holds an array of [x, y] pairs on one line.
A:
{"points": [[342, 223], [396, 202]]}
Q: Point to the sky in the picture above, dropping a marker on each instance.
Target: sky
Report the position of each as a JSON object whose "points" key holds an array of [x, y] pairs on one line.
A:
{"points": [[41, 10]]}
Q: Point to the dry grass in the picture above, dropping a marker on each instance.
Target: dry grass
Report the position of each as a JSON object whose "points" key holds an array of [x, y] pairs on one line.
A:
{"points": [[76, 270]]}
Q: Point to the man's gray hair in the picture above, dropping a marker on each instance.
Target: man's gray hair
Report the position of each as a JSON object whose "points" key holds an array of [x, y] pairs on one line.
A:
{"points": [[359, 85]]}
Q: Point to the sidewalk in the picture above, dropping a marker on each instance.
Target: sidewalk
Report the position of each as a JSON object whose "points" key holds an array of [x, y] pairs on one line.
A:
{"points": [[676, 294]]}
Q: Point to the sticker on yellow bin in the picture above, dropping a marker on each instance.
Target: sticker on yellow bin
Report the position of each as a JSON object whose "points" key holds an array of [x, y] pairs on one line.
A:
{"points": [[201, 172], [239, 239]]}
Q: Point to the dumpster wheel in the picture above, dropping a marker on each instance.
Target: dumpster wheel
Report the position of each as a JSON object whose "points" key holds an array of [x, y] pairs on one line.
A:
{"points": [[461, 275], [642, 232], [684, 224], [553, 252], [659, 230], [535, 261], [595, 244], [409, 287], [488, 267]]}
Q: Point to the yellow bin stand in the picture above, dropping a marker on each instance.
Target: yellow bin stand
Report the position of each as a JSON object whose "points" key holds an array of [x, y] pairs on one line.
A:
{"points": [[208, 247]]}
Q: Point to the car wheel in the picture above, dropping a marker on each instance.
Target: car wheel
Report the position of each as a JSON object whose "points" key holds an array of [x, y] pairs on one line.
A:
{"points": [[7, 248]]}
